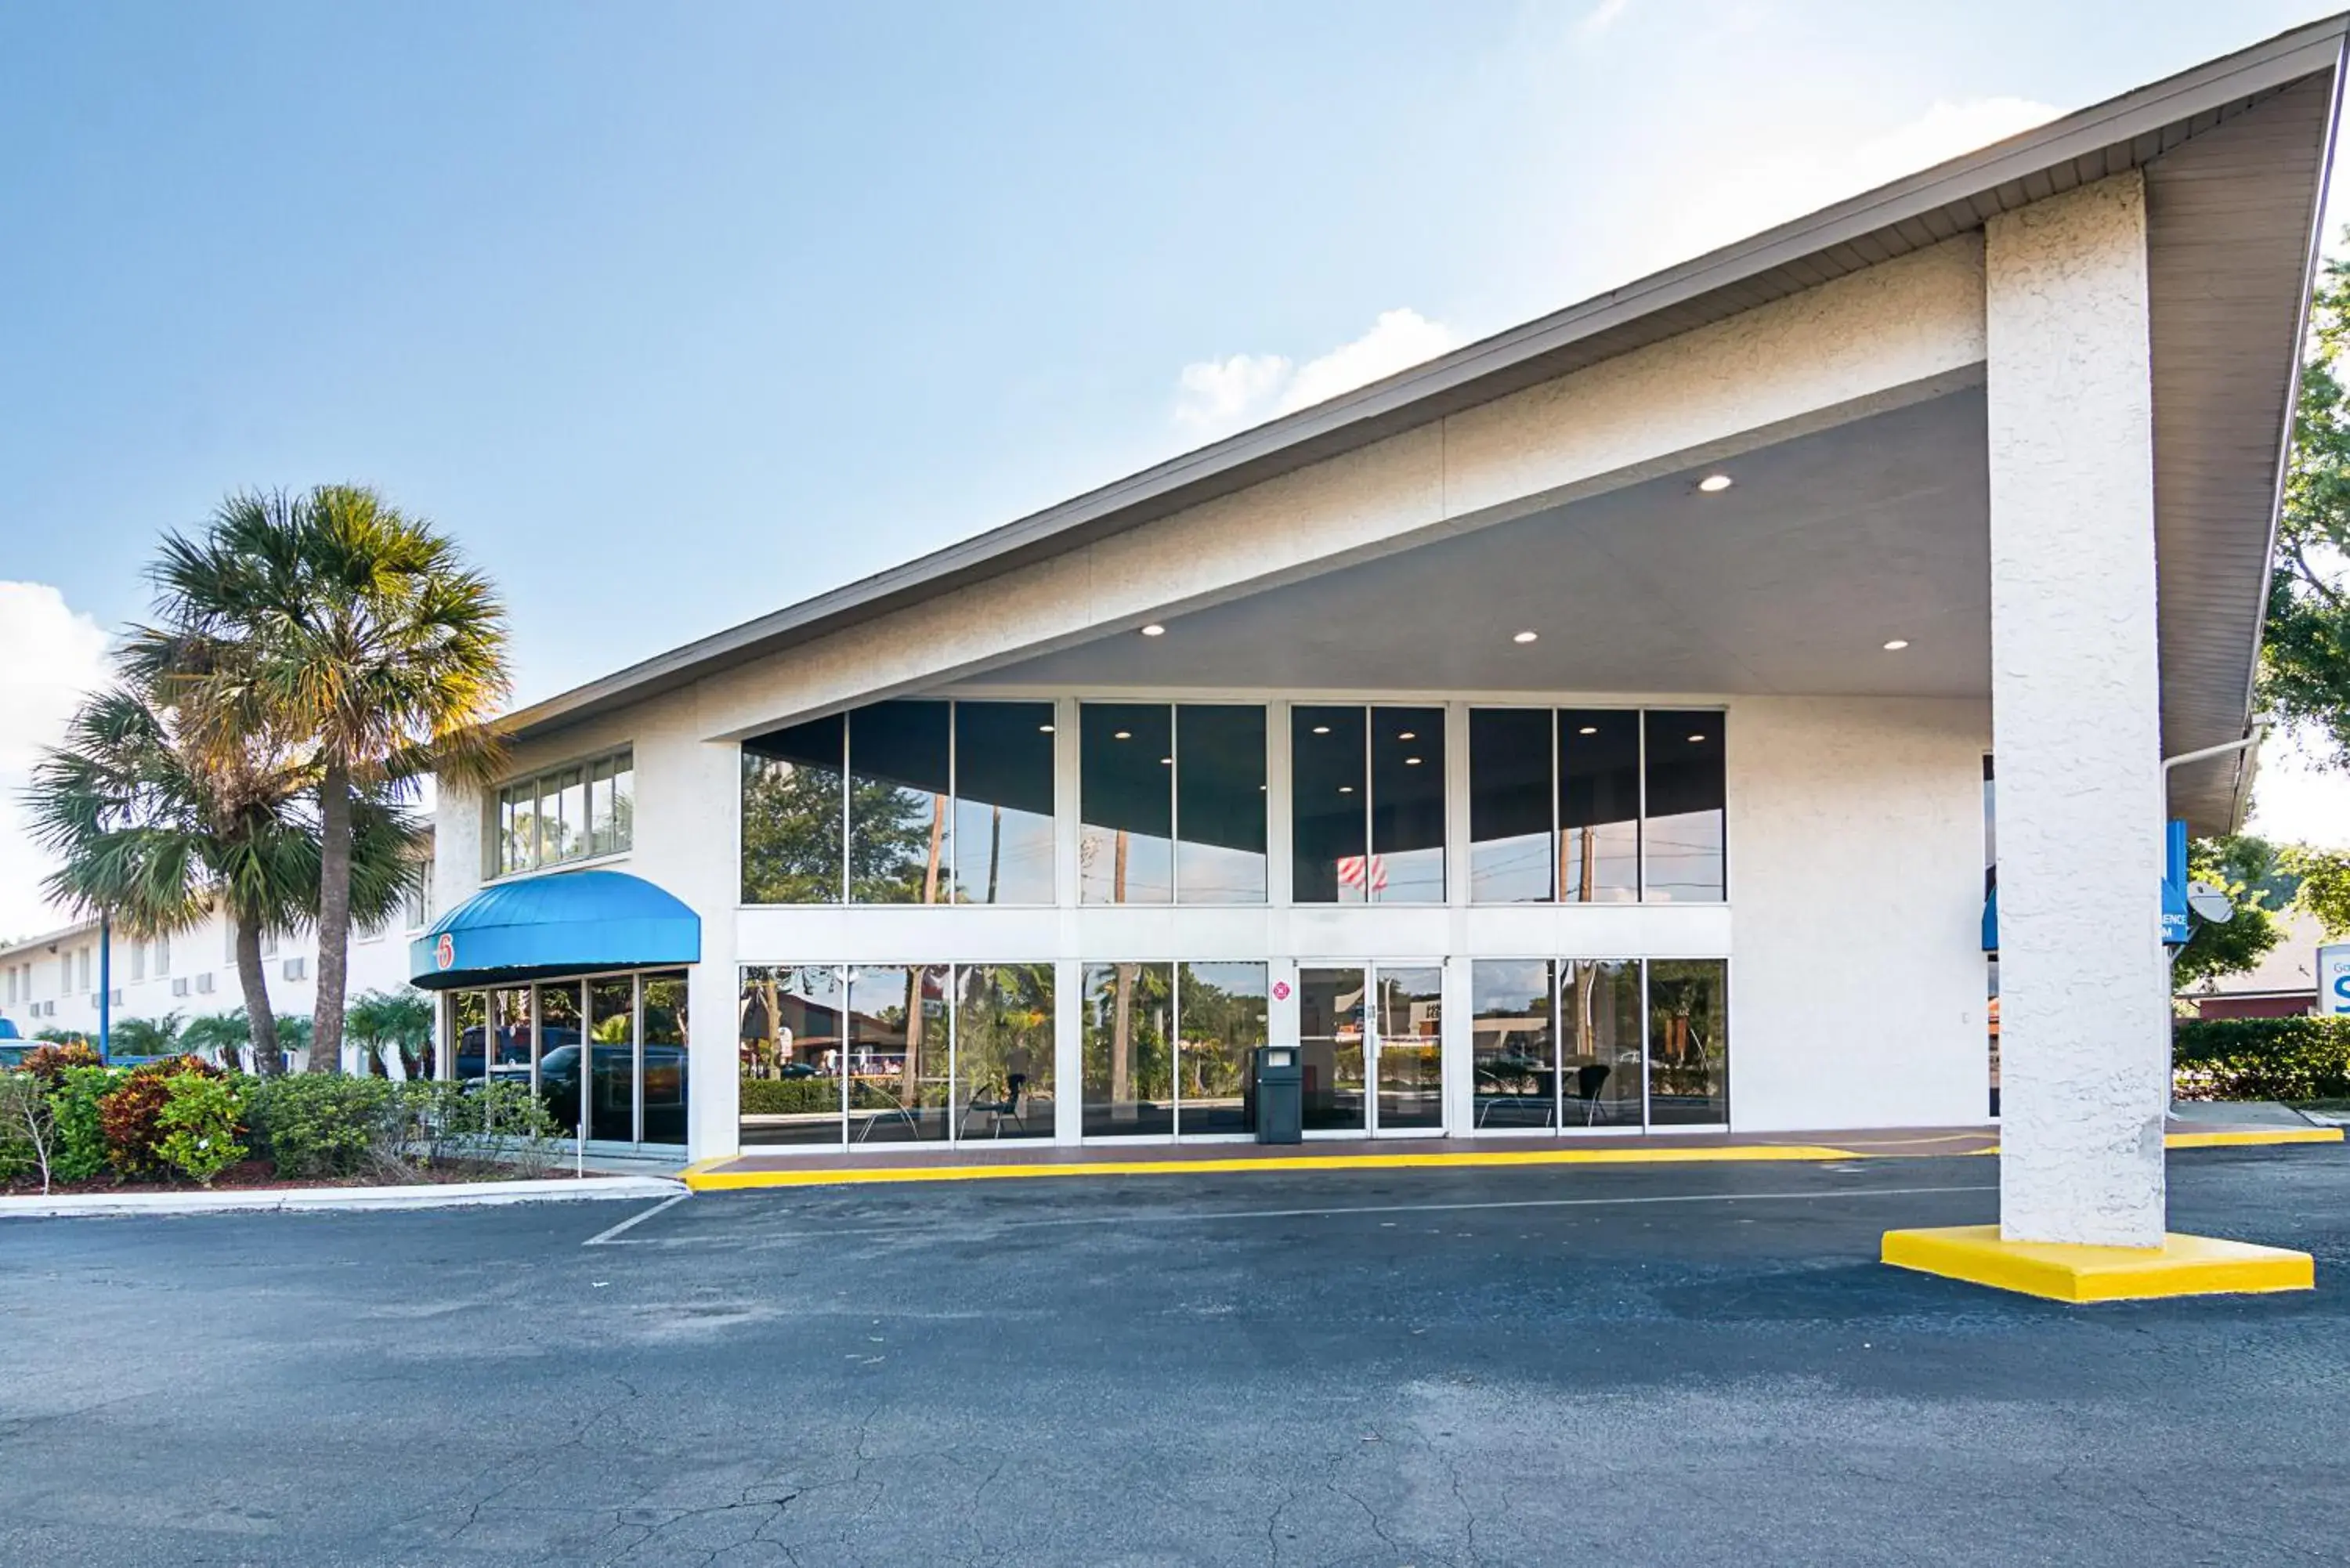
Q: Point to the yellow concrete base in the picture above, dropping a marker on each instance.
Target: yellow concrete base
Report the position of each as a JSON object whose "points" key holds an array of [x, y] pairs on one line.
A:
{"points": [[2181, 1266]]}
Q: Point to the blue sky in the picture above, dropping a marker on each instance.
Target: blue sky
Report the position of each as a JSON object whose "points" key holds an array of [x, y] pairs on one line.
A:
{"points": [[676, 314]]}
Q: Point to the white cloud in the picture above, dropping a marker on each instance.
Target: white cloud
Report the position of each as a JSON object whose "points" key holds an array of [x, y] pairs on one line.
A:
{"points": [[1217, 395], [1602, 16], [50, 657]]}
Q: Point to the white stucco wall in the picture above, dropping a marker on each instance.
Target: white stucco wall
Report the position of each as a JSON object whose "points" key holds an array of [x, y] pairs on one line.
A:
{"points": [[1857, 997]]}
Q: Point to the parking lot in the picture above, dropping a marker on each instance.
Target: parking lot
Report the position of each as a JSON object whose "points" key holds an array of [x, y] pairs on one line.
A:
{"points": [[1623, 1364]]}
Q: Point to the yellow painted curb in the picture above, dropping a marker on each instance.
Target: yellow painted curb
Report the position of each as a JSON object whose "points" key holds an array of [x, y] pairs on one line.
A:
{"points": [[2181, 1266], [702, 1179], [2251, 1137]]}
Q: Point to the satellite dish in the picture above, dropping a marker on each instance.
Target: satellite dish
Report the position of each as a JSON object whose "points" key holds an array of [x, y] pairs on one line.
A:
{"points": [[2210, 903]]}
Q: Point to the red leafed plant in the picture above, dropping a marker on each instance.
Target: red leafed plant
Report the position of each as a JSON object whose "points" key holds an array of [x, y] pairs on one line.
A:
{"points": [[129, 1113]]}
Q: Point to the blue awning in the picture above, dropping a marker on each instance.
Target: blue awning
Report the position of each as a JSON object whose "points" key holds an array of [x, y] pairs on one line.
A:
{"points": [[564, 923]]}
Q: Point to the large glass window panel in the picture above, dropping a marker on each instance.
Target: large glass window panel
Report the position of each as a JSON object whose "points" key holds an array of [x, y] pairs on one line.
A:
{"points": [[612, 1059], [1599, 1042], [1329, 817], [1407, 806], [900, 1058], [549, 817], [1220, 1012], [624, 801], [1599, 805], [599, 807], [1514, 1051], [1220, 801], [1004, 1050], [792, 849], [1128, 1077], [1126, 851], [1687, 796], [556, 1009], [508, 1041], [1509, 810], [1003, 803], [665, 1057], [794, 1040], [899, 787], [1410, 1048], [1688, 1042], [1332, 1016], [571, 785], [468, 1023]]}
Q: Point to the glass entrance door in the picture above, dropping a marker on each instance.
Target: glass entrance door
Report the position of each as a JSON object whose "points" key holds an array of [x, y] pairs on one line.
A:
{"points": [[1371, 1040]]}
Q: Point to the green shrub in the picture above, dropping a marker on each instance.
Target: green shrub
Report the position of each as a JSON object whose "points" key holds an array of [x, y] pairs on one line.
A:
{"points": [[131, 1114], [2260, 1059], [81, 1126], [311, 1126], [789, 1096], [200, 1121]]}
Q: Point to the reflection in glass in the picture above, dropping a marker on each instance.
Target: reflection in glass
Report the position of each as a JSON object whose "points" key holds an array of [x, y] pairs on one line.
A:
{"points": [[1126, 794], [612, 1059], [1410, 1049], [1599, 805], [1003, 803], [468, 1021], [664, 1057], [1220, 803], [1513, 1060], [509, 1038], [1407, 806], [1330, 816], [1599, 1033], [557, 1008], [1686, 799], [900, 1062], [600, 839], [899, 785], [1331, 1047], [572, 785], [1219, 1014], [549, 817], [1004, 1050], [792, 802], [1128, 1087], [793, 1054], [1510, 759], [1688, 1042]]}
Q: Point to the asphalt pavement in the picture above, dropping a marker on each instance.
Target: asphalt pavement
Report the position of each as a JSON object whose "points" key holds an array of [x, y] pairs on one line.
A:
{"points": [[1606, 1366]]}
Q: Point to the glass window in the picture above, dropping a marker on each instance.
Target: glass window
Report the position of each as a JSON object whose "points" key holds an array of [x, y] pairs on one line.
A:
{"points": [[138, 953], [899, 785], [1407, 806], [1004, 1050], [1003, 803], [793, 1054], [1410, 1047], [600, 806], [162, 957], [1219, 805], [792, 851], [1599, 805], [900, 1057], [665, 1060], [1685, 806], [1331, 1040], [1510, 763], [548, 816], [571, 786], [1329, 824], [1688, 1042], [1127, 803], [505, 1052], [612, 1060], [1128, 1087], [1219, 1014], [468, 1021], [1514, 1051], [560, 1040], [1599, 1038]]}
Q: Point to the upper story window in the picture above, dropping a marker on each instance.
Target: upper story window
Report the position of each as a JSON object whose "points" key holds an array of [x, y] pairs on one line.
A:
{"points": [[1367, 795], [1596, 806], [912, 800], [572, 813], [1172, 804]]}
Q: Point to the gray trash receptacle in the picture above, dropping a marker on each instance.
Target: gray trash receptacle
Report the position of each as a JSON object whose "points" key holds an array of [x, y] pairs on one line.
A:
{"points": [[1280, 1094]]}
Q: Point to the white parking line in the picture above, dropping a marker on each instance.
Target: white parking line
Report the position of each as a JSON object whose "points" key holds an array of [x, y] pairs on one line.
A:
{"points": [[604, 1238], [902, 1231]]}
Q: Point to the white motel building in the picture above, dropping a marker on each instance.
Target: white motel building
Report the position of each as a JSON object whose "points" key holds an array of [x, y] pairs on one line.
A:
{"points": [[1584, 735]]}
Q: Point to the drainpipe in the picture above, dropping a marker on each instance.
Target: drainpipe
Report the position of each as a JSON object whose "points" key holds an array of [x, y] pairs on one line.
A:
{"points": [[2204, 754]]}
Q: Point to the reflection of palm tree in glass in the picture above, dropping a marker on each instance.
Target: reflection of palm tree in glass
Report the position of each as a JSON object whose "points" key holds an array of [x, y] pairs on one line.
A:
{"points": [[1122, 1032]]}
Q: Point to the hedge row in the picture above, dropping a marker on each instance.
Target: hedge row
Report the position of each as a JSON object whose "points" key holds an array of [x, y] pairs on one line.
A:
{"points": [[2262, 1059]]}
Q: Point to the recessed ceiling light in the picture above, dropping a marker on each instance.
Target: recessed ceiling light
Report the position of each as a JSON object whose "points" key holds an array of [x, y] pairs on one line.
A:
{"points": [[1411, 762], [1123, 735], [1896, 645], [1044, 729], [1167, 762], [1321, 728], [1346, 789], [1525, 636], [1694, 739], [1154, 630], [1406, 735], [1715, 483], [1588, 730]]}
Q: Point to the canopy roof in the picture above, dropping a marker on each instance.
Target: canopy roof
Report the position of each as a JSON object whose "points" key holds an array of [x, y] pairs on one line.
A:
{"points": [[574, 922]]}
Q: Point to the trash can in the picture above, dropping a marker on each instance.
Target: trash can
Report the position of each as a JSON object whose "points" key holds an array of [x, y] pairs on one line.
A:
{"points": [[1280, 1094]]}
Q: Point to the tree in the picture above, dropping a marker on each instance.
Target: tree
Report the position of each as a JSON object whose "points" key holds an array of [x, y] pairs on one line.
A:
{"points": [[2258, 881], [222, 1032], [338, 620], [2305, 676], [147, 1036], [398, 1018]]}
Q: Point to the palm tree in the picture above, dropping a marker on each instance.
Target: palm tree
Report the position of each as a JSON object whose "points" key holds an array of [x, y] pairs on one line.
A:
{"points": [[336, 618], [401, 1018]]}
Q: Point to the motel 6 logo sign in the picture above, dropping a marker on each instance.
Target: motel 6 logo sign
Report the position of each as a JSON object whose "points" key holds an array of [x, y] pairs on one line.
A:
{"points": [[445, 952]]}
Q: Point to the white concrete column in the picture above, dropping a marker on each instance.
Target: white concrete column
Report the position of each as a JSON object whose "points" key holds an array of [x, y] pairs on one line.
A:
{"points": [[2076, 721]]}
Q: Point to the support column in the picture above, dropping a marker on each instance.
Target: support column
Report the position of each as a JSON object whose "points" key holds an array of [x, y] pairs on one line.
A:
{"points": [[2076, 720]]}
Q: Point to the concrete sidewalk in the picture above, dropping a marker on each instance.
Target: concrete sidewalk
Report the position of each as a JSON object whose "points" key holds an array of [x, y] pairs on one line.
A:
{"points": [[423, 1195]]}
